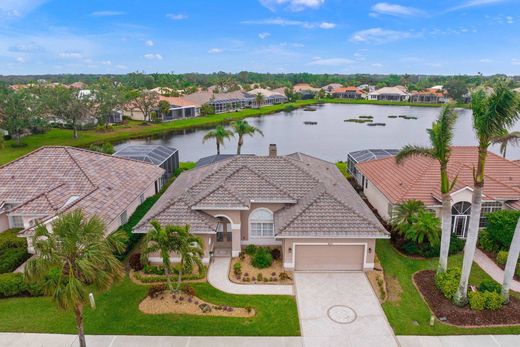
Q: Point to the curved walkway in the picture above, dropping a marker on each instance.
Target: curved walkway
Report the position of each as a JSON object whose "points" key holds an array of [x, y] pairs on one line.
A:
{"points": [[493, 270], [218, 278]]}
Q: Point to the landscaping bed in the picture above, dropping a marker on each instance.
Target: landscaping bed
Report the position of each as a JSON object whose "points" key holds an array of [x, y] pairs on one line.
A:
{"points": [[447, 312], [376, 278]]}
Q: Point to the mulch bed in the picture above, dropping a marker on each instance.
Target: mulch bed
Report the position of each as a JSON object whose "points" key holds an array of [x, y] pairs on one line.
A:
{"points": [[463, 316]]}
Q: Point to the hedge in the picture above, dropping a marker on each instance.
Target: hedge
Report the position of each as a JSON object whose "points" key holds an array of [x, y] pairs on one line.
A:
{"points": [[11, 258], [10, 239], [13, 284], [501, 227]]}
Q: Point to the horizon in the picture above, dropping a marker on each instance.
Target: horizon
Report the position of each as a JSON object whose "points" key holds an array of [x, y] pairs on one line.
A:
{"points": [[434, 38]]}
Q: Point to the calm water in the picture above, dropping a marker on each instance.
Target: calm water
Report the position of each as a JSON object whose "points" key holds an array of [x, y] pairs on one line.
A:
{"points": [[331, 138]]}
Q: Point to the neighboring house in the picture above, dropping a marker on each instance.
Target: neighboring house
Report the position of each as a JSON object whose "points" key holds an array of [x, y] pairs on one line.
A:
{"points": [[212, 159], [305, 90], [386, 184], [270, 97], [299, 203], [180, 107], [77, 85], [354, 158], [39, 186], [429, 96], [165, 157], [349, 93], [397, 93], [367, 88], [330, 87]]}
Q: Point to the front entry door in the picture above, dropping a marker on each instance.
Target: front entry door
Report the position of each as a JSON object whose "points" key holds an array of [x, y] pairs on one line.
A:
{"points": [[224, 234], [459, 225]]}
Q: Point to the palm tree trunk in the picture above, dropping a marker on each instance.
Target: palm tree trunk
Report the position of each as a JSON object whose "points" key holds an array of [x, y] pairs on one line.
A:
{"points": [[512, 259], [179, 278], [446, 232], [168, 280], [218, 147], [240, 143], [461, 296], [78, 311], [74, 130]]}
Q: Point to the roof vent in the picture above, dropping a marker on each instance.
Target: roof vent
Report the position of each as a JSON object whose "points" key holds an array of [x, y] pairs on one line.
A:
{"points": [[272, 150]]}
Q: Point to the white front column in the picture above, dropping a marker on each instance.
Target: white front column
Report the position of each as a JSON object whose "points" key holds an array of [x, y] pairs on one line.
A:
{"points": [[235, 245]]}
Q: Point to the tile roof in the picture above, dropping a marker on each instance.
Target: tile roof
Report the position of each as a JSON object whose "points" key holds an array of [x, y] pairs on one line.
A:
{"points": [[419, 178], [399, 90], [51, 180], [306, 185], [348, 89]]}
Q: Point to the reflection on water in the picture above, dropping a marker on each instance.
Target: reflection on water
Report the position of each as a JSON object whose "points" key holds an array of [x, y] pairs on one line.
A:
{"points": [[332, 138]]}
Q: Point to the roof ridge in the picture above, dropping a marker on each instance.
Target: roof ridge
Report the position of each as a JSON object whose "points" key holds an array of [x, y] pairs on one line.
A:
{"points": [[214, 171], [412, 183], [266, 178], [214, 188], [302, 169], [321, 190], [79, 166], [37, 196], [103, 154]]}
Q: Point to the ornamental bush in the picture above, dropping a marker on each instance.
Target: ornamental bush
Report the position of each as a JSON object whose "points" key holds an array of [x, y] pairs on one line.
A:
{"points": [[250, 250], [448, 282], [13, 284], [10, 239], [493, 301], [490, 286], [477, 301], [487, 243], [502, 257], [135, 262], [262, 258], [501, 227], [11, 258]]}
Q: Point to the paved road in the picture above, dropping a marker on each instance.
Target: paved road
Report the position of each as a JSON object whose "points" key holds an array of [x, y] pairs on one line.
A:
{"points": [[340, 309]]}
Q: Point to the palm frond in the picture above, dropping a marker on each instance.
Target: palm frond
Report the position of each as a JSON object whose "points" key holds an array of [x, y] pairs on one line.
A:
{"points": [[411, 151]]}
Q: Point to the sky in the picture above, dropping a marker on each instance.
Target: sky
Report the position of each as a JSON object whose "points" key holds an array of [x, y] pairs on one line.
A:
{"points": [[276, 36]]}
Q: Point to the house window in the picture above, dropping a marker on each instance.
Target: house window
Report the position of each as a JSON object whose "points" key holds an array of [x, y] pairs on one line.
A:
{"points": [[488, 207], [17, 222], [141, 199], [261, 223], [123, 217]]}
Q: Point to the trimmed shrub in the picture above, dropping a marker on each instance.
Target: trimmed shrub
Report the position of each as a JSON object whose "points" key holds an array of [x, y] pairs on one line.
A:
{"points": [[259, 277], [486, 242], [155, 290], [13, 284], [262, 258], [501, 226], [477, 300], [276, 254], [502, 257], [250, 250], [493, 301], [448, 282], [456, 244], [188, 289], [237, 268], [11, 258], [135, 262], [9, 239], [490, 286]]}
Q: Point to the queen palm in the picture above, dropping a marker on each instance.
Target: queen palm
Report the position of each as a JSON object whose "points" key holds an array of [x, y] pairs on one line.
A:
{"points": [[259, 99], [74, 259], [491, 116], [505, 139], [441, 137], [242, 128], [177, 240], [219, 134]]}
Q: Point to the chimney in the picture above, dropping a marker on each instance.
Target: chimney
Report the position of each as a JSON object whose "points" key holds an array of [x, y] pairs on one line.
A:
{"points": [[272, 150]]}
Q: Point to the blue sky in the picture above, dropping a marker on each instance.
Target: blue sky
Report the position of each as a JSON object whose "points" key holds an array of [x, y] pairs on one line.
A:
{"points": [[318, 36]]}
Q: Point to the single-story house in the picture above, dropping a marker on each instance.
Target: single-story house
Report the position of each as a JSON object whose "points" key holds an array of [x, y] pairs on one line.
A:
{"points": [[298, 203], [397, 93], [349, 93], [41, 185], [180, 107], [356, 157], [270, 97], [305, 90], [165, 157], [431, 95], [330, 87], [386, 184]]}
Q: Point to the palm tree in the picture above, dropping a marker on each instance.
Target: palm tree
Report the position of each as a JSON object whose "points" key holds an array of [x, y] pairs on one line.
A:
{"points": [[174, 239], [512, 259], [405, 214], [74, 259], [491, 116], [259, 99], [441, 137], [241, 128], [219, 134], [425, 228], [507, 138]]}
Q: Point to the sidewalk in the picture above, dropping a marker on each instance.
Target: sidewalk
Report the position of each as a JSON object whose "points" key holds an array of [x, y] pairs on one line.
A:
{"points": [[493, 270], [218, 278], [461, 340]]}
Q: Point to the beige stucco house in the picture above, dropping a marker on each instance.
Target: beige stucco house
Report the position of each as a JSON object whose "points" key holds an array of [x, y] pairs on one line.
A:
{"points": [[301, 204], [39, 186], [386, 184]]}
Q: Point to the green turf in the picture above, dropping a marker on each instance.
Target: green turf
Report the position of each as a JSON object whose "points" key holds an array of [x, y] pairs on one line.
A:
{"points": [[411, 307], [117, 312]]}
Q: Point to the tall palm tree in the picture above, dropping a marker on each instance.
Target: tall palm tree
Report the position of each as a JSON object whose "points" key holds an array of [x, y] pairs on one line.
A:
{"points": [[512, 259], [174, 239], [259, 99], [441, 137], [242, 128], [74, 259], [505, 139], [491, 116], [219, 134]]}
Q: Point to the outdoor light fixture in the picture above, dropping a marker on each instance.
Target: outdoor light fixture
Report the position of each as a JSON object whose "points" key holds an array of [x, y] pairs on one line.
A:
{"points": [[369, 250], [290, 250]]}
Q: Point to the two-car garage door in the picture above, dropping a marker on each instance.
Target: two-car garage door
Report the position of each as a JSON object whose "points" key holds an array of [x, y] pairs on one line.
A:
{"points": [[329, 257]]}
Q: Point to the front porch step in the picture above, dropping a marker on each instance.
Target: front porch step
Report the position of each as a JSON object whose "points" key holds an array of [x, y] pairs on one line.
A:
{"points": [[222, 252]]}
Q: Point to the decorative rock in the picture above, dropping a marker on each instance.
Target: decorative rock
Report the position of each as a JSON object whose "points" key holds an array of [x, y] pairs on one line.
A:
{"points": [[205, 308]]}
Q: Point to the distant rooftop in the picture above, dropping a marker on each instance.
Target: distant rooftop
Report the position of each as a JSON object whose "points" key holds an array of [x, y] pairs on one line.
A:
{"points": [[213, 159], [154, 154], [372, 154]]}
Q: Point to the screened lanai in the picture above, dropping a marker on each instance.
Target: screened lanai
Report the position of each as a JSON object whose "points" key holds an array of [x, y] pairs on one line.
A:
{"points": [[364, 155]]}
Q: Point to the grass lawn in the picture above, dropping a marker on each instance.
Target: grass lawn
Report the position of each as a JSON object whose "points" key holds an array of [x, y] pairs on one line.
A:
{"points": [[411, 307], [117, 312]]}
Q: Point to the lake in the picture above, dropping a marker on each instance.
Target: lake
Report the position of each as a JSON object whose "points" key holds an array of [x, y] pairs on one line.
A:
{"points": [[332, 138]]}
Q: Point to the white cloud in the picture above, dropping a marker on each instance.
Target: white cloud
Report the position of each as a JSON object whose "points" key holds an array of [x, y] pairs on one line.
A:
{"points": [[176, 16], [107, 13], [149, 43], [264, 35], [215, 50], [30, 47], [331, 62], [106, 62], [515, 61], [377, 65], [121, 67], [10, 9], [153, 56], [384, 8], [20, 59], [292, 5], [70, 55], [485, 60], [475, 3], [327, 25], [380, 36]]}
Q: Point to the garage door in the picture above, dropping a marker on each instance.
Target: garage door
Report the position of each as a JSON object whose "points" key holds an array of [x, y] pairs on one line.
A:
{"points": [[329, 257]]}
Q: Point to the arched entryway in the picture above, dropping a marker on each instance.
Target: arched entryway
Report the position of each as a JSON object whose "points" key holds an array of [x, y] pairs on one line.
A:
{"points": [[224, 237], [460, 218]]}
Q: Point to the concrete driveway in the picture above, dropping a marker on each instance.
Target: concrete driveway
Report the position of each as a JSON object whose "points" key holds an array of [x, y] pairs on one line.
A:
{"points": [[340, 309]]}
